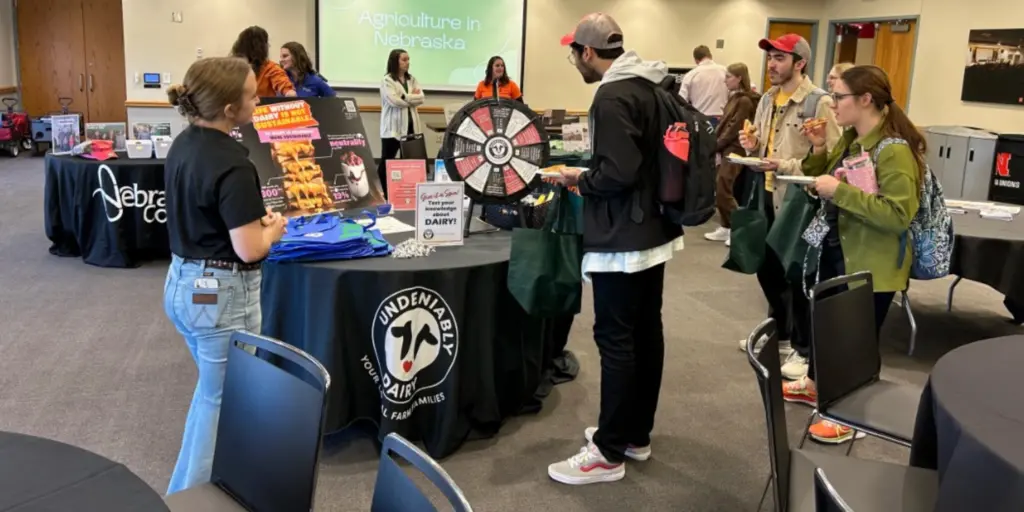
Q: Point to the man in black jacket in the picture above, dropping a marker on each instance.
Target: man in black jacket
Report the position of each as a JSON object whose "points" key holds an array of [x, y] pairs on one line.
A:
{"points": [[626, 244]]}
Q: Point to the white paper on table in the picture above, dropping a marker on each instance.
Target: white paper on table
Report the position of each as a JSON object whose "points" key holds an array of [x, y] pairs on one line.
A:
{"points": [[387, 225], [996, 215]]}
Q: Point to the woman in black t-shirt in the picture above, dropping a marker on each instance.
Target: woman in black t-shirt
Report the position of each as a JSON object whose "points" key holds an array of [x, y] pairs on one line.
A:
{"points": [[219, 233]]}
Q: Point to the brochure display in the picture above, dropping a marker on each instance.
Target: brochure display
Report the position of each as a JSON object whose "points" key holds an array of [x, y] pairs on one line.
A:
{"points": [[497, 147], [403, 176], [312, 155]]}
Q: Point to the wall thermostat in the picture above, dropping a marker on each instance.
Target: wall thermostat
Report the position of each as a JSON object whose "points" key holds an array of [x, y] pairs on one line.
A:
{"points": [[151, 80]]}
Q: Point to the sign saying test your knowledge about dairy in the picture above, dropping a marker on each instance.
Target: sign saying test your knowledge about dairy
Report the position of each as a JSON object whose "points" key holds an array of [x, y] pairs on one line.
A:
{"points": [[440, 213]]}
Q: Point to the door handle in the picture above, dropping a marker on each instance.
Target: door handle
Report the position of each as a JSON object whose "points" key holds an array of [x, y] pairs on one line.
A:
{"points": [[81, 82], [940, 150], [970, 155], [90, 83]]}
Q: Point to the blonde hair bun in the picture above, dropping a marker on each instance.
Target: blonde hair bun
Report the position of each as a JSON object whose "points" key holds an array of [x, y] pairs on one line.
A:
{"points": [[175, 93]]}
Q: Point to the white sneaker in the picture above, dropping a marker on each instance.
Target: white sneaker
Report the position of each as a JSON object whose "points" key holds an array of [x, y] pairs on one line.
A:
{"points": [[586, 467], [795, 367], [785, 349], [640, 453], [719, 235]]}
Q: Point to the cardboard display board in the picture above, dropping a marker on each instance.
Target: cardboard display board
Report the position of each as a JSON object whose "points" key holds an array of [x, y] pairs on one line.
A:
{"points": [[312, 155]]}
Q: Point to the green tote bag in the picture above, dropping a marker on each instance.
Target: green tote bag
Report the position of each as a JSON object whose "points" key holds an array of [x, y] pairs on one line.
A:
{"points": [[786, 234], [749, 231], [544, 269]]}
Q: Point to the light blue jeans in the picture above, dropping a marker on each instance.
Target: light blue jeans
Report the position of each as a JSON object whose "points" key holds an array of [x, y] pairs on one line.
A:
{"points": [[206, 317]]}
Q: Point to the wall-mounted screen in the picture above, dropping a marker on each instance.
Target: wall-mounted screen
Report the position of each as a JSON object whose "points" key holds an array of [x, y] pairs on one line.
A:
{"points": [[449, 41]]}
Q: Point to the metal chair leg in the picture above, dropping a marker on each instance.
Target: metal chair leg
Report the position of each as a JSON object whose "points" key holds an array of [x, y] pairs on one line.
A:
{"points": [[949, 296], [767, 485], [810, 420], [849, 449], [913, 323]]}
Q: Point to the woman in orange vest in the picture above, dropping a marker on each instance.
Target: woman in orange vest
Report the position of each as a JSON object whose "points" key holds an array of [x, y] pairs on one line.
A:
{"points": [[496, 73]]}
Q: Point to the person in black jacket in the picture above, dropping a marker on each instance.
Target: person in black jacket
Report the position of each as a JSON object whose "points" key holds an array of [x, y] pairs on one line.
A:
{"points": [[626, 244]]}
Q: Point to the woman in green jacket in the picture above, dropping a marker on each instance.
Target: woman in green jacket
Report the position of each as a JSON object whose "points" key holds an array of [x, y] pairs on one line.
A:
{"points": [[867, 231]]}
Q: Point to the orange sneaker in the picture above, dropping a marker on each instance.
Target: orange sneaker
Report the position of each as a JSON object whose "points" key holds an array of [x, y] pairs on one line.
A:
{"points": [[825, 431], [800, 391]]}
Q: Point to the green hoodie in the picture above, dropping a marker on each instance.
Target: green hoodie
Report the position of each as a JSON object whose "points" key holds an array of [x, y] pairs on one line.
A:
{"points": [[871, 225]]}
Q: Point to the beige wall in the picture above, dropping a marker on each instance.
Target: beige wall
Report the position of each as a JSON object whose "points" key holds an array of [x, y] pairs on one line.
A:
{"points": [[939, 60], [8, 69], [663, 30]]}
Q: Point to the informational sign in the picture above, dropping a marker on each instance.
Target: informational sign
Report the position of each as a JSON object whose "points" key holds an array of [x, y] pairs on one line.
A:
{"points": [[66, 133], [312, 155], [403, 176], [575, 138], [440, 213], [1008, 171]]}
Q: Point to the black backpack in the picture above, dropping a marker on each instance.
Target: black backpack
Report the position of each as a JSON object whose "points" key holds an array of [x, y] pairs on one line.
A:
{"points": [[686, 159]]}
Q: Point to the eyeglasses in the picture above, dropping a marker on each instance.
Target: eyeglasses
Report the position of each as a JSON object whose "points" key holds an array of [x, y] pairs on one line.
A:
{"points": [[571, 57], [836, 97]]}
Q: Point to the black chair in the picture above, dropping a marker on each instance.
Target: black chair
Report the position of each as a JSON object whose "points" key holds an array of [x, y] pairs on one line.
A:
{"points": [[270, 431], [413, 147], [869, 485], [847, 364], [826, 499], [394, 491]]}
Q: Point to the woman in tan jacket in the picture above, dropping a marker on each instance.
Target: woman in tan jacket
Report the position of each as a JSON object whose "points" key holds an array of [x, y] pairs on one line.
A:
{"points": [[741, 107]]}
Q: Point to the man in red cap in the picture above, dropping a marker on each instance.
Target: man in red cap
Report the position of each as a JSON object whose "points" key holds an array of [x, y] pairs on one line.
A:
{"points": [[778, 138], [626, 242]]}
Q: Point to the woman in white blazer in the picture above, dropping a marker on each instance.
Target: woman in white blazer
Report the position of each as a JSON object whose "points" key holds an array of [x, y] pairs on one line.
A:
{"points": [[400, 94]]}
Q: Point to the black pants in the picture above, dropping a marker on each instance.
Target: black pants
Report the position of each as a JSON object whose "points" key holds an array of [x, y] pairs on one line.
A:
{"points": [[786, 300], [388, 149], [832, 265], [630, 339]]}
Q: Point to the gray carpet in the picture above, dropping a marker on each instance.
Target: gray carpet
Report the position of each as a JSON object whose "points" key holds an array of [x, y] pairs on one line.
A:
{"points": [[87, 357]]}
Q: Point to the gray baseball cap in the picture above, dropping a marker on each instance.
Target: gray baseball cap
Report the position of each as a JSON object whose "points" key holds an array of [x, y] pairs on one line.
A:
{"points": [[789, 43], [594, 30]]}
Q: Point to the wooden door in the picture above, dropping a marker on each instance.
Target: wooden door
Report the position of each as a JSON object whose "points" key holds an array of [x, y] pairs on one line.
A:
{"points": [[780, 28], [846, 50], [50, 55], [104, 61], [894, 52]]}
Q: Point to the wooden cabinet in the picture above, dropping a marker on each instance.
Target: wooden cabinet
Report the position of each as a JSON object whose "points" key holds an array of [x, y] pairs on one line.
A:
{"points": [[72, 49]]}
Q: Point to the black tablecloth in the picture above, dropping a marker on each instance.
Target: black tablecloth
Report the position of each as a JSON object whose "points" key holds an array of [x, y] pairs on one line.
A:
{"points": [[42, 475], [110, 213], [431, 348], [970, 424], [991, 252]]}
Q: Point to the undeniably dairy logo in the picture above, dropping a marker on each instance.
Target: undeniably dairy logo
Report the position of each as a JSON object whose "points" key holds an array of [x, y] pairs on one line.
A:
{"points": [[116, 199], [416, 344]]}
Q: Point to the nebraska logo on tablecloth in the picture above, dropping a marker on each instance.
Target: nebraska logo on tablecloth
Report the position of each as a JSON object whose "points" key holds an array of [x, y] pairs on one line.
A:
{"points": [[415, 343], [116, 199]]}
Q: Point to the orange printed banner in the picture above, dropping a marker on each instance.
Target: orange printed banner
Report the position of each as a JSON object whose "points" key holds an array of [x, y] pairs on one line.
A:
{"points": [[283, 116]]}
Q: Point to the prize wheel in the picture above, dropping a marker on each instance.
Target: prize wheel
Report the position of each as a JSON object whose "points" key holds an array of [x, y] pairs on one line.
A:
{"points": [[497, 147]]}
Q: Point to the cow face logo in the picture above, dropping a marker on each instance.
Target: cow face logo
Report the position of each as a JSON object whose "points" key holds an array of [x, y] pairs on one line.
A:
{"points": [[416, 341]]}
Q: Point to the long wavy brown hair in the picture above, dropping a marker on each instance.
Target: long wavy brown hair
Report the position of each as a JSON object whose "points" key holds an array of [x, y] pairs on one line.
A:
{"points": [[253, 45], [873, 80]]}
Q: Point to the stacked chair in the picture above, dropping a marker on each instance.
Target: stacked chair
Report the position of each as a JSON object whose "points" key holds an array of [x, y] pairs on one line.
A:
{"points": [[270, 431], [847, 364], [866, 486]]}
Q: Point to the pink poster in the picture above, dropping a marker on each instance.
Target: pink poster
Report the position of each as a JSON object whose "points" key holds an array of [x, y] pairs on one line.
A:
{"points": [[403, 175]]}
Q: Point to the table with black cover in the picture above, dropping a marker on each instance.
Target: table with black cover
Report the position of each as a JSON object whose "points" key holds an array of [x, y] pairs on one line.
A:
{"points": [[431, 348], [40, 474], [991, 252], [111, 213], [969, 426]]}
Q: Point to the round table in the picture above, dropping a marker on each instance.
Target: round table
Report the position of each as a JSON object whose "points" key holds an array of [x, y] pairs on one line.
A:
{"points": [[110, 213], [991, 252], [430, 348], [40, 474], [970, 423]]}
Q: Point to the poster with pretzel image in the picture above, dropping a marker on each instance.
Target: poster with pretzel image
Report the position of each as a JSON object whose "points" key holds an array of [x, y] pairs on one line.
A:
{"points": [[312, 155]]}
